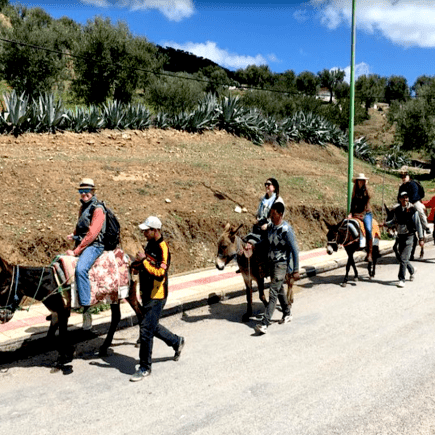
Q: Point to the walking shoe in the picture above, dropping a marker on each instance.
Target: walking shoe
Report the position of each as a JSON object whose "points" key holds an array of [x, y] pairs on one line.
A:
{"points": [[87, 321], [260, 328], [427, 230], [401, 283], [411, 277], [140, 374], [286, 319], [181, 344]]}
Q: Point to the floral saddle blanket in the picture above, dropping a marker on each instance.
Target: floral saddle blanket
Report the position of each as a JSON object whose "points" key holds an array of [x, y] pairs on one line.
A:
{"points": [[109, 277], [358, 229]]}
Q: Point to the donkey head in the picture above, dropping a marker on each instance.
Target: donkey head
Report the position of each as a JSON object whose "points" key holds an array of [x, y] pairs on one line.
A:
{"points": [[331, 238], [227, 246], [6, 310]]}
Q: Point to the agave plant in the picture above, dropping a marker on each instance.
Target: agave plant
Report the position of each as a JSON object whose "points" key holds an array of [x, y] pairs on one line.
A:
{"points": [[396, 158], [113, 115], [161, 121], [363, 151], [137, 117], [77, 120], [17, 112], [95, 120], [46, 114]]}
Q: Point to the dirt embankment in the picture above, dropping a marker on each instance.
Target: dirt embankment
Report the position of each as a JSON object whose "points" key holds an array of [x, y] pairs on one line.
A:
{"points": [[193, 182]]}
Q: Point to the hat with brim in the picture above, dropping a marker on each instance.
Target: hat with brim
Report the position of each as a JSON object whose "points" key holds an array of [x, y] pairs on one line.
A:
{"points": [[151, 222], [403, 194], [87, 183], [360, 177]]}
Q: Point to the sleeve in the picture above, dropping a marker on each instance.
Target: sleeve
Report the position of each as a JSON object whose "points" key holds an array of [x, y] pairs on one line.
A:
{"points": [[413, 191], [293, 250], [94, 229], [418, 226], [153, 267], [393, 221]]}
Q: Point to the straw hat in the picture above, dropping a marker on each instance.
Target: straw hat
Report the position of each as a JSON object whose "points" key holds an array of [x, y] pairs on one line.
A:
{"points": [[360, 177], [87, 183]]}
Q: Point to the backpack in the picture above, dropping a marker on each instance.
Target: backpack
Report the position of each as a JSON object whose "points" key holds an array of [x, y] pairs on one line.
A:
{"points": [[112, 235], [420, 189]]}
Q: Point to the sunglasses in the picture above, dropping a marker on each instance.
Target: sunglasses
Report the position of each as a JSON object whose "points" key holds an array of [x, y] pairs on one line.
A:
{"points": [[82, 191], [267, 184]]}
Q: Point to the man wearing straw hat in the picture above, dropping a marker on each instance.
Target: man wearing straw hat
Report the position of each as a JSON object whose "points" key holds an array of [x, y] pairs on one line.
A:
{"points": [[88, 236]]}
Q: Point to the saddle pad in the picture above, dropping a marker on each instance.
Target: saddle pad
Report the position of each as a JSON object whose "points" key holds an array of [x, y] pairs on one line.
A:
{"points": [[109, 278], [375, 232]]}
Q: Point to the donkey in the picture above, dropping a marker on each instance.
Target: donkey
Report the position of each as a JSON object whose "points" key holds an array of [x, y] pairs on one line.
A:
{"points": [[344, 234], [39, 283], [252, 266]]}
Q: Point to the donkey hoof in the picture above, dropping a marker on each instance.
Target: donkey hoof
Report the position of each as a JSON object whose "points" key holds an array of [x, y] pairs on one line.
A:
{"points": [[344, 284], [246, 317]]}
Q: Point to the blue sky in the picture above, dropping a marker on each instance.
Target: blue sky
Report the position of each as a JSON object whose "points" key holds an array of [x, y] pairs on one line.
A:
{"points": [[394, 37]]}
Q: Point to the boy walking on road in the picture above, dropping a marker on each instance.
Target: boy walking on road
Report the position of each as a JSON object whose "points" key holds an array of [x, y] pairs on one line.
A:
{"points": [[283, 259], [153, 266]]}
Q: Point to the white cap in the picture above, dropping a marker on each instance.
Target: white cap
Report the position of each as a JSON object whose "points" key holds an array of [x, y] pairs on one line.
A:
{"points": [[151, 222]]}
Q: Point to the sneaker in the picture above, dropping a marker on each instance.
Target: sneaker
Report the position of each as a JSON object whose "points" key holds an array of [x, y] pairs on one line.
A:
{"points": [[181, 344], [140, 374], [401, 283], [411, 277], [260, 328], [87, 321], [286, 319]]}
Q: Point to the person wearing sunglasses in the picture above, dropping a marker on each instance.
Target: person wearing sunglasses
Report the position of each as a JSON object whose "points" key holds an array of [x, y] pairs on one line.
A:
{"points": [[88, 237]]}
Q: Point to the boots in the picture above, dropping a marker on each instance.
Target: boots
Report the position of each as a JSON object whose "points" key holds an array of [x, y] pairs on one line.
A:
{"points": [[369, 257]]}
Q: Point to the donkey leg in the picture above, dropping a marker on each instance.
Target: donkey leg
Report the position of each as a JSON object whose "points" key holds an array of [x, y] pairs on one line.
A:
{"points": [[135, 304], [346, 276], [248, 314], [116, 317], [260, 284], [65, 349], [54, 325]]}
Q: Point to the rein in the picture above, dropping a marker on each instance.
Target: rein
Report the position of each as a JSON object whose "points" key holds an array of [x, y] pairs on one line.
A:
{"points": [[15, 305]]}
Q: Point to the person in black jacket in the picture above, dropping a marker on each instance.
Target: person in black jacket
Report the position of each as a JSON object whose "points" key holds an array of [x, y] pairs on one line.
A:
{"points": [[153, 265], [410, 186]]}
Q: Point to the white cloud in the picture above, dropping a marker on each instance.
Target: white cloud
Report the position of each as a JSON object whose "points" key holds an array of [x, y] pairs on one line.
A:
{"points": [[174, 10], [360, 70], [210, 50], [404, 22]]}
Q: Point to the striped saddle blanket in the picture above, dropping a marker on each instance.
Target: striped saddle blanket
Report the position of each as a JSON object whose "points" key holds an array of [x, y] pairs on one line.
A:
{"points": [[109, 277], [357, 227]]}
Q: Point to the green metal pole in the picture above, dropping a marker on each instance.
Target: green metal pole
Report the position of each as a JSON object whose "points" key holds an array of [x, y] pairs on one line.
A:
{"points": [[352, 109]]}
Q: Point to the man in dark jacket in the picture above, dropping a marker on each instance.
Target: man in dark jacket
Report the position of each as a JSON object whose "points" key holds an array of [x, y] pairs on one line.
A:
{"points": [[410, 186], [407, 222], [153, 265]]}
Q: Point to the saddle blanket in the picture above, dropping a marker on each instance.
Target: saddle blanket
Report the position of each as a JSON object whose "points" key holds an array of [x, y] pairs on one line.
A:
{"points": [[358, 223], [109, 278]]}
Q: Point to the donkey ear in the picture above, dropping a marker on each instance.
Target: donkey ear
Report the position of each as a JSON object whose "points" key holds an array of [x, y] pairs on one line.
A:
{"points": [[5, 266], [328, 225], [227, 228], [386, 208], [233, 232]]}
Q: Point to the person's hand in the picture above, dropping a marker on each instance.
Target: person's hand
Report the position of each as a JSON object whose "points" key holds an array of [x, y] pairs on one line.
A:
{"points": [[70, 252], [70, 236], [140, 256], [349, 216], [264, 227], [296, 276], [421, 243]]}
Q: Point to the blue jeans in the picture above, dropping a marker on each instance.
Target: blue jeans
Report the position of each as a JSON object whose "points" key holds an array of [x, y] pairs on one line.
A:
{"points": [[86, 261], [276, 291], [150, 328], [368, 218]]}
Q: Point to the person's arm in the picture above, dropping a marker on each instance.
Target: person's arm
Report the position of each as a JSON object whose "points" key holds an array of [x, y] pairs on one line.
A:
{"points": [[153, 267], [293, 250], [418, 226], [93, 231]]}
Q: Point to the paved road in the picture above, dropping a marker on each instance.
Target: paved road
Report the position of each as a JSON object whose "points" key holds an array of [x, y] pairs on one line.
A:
{"points": [[355, 360]]}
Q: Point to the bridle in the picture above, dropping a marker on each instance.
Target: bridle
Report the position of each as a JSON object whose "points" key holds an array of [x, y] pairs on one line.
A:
{"points": [[346, 238]]}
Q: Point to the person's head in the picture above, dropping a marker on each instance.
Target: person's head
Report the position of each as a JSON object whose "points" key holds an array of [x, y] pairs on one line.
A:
{"points": [[151, 228], [86, 189], [272, 186], [404, 199], [404, 175], [360, 182], [277, 212]]}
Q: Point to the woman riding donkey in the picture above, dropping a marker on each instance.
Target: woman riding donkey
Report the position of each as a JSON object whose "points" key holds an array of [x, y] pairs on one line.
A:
{"points": [[360, 208]]}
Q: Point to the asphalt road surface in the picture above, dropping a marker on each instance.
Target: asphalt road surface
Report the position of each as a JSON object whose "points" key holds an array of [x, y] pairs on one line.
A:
{"points": [[354, 360]]}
